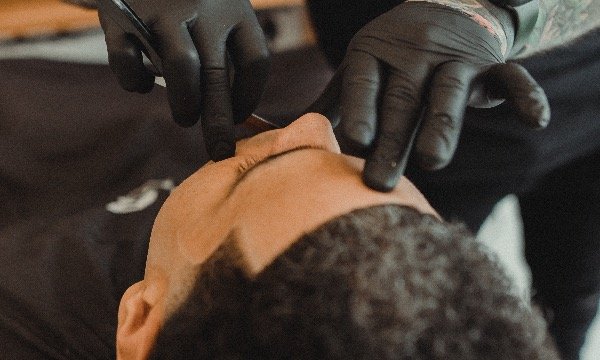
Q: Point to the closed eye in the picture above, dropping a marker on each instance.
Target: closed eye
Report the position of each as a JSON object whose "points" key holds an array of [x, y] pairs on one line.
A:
{"points": [[246, 165], [251, 164]]}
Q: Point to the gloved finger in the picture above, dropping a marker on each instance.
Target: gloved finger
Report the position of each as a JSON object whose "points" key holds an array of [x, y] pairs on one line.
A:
{"points": [[125, 58], [522, 92], [443, 118], [361, 86], [217, 110], [398, 124], [181, 70], [250, 57], [327, 103]]}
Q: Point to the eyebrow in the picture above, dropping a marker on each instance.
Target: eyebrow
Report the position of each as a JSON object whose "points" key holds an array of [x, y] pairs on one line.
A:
{"points": [[262, 162]]}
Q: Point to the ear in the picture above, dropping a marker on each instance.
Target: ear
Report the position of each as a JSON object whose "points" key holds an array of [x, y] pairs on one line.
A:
{"points": [[140, 317]]}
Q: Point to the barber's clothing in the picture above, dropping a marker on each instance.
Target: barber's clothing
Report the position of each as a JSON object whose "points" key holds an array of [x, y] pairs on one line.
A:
{"points": [[84, 168], [61, 278]]}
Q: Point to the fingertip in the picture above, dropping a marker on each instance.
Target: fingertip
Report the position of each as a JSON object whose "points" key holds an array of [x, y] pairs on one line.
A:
{"points": [[125, 60], [185, 117], [185, 98], [186, 105], [545, 119], [221, 150], [430, 162], [534, 108], [381, 175], [522, 91], [434, 150]]}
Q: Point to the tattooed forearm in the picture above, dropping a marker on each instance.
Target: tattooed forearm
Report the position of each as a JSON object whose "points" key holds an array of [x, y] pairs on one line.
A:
{"points": [[483, 13], [561, 21]]}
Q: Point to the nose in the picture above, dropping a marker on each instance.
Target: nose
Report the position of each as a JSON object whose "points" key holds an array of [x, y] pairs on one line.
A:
{"points": [[312, 130]]}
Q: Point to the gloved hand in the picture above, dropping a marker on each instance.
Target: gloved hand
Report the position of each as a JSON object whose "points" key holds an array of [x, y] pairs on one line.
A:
{"points": [[406, 79], [196, 41]]}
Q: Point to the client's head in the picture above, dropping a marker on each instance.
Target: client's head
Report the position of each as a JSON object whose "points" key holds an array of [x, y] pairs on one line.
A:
{"points": [[282, 252]]}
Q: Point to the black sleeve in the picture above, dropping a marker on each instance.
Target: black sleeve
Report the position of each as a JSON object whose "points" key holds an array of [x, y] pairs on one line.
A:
{"points": [[76, 153]]}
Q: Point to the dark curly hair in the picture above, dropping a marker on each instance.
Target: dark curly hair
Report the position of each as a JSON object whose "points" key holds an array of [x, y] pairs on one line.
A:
{"points": [[384, 282]]}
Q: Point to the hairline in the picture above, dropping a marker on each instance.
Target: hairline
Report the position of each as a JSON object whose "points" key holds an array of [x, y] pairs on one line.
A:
{"points": [[230, 250]]}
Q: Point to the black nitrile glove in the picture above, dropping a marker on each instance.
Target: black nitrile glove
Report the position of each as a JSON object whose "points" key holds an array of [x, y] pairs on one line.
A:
{"points": [[196, 41], [408, 76]]}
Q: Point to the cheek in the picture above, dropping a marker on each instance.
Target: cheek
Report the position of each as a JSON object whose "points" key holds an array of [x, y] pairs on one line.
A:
{"points": [[207, 188], [266, 222], [192, 211], [284, 204], [204, 225], [292, 190], [262, 201]]}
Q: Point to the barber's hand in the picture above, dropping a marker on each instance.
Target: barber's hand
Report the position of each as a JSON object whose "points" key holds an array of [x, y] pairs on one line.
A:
{"points": [[196, 41], [406, 80]]}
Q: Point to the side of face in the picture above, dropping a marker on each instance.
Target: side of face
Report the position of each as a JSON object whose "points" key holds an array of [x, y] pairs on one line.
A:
{"points": [[280, 185]]}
